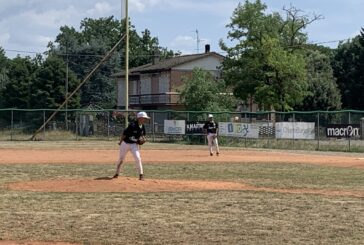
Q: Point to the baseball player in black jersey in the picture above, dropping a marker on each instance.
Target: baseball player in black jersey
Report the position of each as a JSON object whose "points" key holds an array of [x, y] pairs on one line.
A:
{"points": [[129, 142], [211, 130]]}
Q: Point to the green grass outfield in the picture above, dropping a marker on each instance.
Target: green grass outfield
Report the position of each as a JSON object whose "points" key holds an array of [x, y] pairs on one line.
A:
{"points": [[205, 217]]}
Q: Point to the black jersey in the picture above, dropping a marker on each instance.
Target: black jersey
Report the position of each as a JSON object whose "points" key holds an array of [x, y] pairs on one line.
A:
{"points": [[211, 127], [133, 132]]}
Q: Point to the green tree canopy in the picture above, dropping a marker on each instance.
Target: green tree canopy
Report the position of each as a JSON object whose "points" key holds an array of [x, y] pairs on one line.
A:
{"points": [[324, 93], [267, 61], [3, 73], [50, 85], [19, 88], [348, 68], [201, 92]]}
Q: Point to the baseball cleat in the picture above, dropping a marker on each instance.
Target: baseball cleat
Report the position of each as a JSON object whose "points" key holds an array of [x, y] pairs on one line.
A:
{"points": [[217, 154], [141, 177], [211, 154], [115, 176]]}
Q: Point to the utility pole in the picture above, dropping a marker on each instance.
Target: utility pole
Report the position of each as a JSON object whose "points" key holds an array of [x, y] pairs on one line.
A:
{"points": [[126, 62], [66, 88]]}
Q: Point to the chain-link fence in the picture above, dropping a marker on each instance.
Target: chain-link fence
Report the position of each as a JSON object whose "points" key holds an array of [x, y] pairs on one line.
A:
{"points": [[318, 130]]}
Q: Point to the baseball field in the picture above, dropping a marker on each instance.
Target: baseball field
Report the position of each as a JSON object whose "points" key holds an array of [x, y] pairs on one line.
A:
{"points": [[62, 193]]}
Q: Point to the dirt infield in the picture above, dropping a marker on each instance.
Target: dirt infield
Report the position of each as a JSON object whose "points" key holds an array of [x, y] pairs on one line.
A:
{"points": [[89, 156], [124, 184], [150, 156]]}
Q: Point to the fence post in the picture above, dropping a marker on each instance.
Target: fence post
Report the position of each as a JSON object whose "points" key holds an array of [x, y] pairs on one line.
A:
{"points": [[362, 128], [108, 125], [44, 131], [349, 135], [12, 125], [268, 128], [245, 135], [76, 119], [318, 131], [153, 126], [294, 120]]}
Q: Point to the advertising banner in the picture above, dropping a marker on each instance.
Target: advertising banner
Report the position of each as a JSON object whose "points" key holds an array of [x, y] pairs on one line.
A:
{"points": [[239, 130], [295, 130], [194, 127], [174, 126], [343, 130]]}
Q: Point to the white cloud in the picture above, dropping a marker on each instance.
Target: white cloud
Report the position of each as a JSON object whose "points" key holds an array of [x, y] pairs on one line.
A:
{"points": [[141, 5], [43, 40], [6, 4], [100, 9], [188, 44], [4, 38], [183, 41], [49, 18], [218, 7]]}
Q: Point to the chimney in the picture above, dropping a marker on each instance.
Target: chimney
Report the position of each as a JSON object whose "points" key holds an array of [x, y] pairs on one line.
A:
{"points": [[207, 48], [156, 57]]}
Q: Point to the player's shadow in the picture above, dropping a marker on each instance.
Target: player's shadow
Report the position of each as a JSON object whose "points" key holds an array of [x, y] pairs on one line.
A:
{"points": [[104, 178]]}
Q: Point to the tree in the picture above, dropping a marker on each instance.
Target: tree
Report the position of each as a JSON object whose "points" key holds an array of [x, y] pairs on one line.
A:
{"points": [[19, 88], [348, 66], [49, 85], [267, 61], [3, 73], [201, 92], [83, 49], [324, 93]]}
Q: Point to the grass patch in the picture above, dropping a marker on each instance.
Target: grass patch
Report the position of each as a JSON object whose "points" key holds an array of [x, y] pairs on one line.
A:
{"points": [[212, 217], [182, 218]]}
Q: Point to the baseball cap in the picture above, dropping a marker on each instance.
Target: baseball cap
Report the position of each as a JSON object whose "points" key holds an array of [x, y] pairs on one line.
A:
{"points": [[142, 114], [210, 115]]}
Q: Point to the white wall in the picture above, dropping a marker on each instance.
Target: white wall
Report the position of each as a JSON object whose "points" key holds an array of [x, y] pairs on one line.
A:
{"points": [[208, 63]]}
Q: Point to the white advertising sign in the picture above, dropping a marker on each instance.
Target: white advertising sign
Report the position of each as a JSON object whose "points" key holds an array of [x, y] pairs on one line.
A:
{"points": [[239, 130], [295, 130], [174, 126]]}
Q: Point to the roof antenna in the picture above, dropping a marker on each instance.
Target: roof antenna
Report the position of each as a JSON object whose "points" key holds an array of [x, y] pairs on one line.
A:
{"points": [[198, 41]]}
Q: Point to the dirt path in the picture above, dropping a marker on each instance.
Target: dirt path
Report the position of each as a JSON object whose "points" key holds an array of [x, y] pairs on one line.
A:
{"points": [[84, 156], [125, 184]]}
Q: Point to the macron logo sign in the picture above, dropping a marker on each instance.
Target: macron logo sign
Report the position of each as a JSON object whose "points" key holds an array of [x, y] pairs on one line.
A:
{"points": [[343, 130]]}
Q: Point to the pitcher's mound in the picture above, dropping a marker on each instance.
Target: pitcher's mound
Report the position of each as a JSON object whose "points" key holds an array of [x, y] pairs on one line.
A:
{"points": [[124, 184]]}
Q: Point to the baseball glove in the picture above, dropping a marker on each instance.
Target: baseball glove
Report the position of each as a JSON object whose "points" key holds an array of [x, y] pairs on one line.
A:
{"points": [[141, 140]]}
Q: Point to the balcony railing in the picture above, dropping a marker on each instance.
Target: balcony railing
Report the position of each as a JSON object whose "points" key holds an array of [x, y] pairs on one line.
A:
{"points": [[155, 99]]}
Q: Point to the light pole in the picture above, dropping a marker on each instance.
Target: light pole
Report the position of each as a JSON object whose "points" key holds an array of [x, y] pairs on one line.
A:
{"points": [[126, 62], [66, 88]]}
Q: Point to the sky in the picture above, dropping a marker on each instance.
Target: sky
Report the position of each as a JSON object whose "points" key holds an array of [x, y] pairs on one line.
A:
{"points": [[26, 26]]}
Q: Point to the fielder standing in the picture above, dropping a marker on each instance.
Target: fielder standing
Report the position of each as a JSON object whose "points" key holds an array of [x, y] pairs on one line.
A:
{"points": [[132, 137], [211, 130]]}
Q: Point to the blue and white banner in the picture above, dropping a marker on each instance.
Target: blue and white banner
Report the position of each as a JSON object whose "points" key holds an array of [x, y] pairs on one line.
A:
{"points": [[295, 130], [239, 130], [174, 126]]}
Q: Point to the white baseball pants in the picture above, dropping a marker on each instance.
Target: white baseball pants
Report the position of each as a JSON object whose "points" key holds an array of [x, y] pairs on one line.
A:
{"points": [[212, 140], [124, 149]]}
